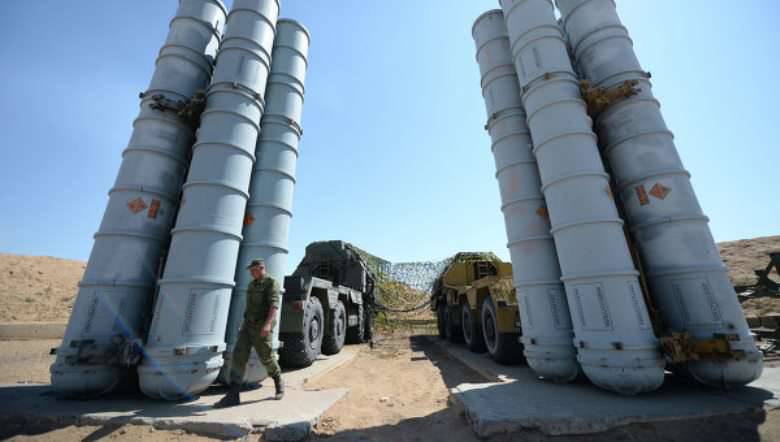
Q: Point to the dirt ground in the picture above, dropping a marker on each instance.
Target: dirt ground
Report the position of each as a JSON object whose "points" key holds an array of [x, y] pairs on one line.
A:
{"points": [[37, 288], [399, 391], [746, 255], [42, 432], [26, 362], [761, 306]]}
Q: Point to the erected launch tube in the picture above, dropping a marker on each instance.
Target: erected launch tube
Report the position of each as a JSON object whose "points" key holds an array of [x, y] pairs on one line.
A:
{"points": [[269, 210], [616, 345], [687, 279], [115, 294], [187, 337], [544, 313]]}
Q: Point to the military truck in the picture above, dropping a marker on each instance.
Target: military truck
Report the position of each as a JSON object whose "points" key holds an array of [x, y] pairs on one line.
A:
{"points": [[328, 301], [475, 303]]}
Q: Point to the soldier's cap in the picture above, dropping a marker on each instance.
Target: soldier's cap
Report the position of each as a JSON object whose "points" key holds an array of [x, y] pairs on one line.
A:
{"points": [[256, 262]]}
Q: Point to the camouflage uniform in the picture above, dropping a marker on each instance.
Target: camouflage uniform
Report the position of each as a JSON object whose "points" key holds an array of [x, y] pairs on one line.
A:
{"points": [[260, 297]]}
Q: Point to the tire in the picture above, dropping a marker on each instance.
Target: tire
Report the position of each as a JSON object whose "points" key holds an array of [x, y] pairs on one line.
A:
{"points": [[472, 330], [441, 320], [301, 350], [504, 348], [356, 333], [336, 332], [454, 330]]}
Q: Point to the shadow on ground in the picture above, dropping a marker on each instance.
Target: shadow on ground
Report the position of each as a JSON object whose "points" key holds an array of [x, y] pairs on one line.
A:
{"points": [[131, 405], [447, 425], [450, 425]]}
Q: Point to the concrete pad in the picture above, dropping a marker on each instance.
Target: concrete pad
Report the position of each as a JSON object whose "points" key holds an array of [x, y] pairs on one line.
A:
{"points": [[292, 418], [31, 330], [515, 399]]}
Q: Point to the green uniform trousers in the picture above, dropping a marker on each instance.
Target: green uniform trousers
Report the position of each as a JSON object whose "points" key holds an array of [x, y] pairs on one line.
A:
{"points": [[249, 337]]}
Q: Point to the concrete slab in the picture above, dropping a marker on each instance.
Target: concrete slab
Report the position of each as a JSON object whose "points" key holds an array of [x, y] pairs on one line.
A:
{"points": [[292, 418], [514, 399]]}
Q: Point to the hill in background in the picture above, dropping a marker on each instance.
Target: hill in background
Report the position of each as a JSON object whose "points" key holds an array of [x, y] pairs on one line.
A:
{"points": [[37, 288], [43, 288]]}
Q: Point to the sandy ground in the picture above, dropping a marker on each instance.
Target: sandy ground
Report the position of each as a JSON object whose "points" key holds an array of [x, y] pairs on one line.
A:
{"points": [[37, 288], [761, 306], [746, 255], [399, 391], [90, 433], [26, 362]]}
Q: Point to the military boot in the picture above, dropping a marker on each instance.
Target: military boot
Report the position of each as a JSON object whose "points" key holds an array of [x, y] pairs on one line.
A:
{"points": [[232, 398], [279, 387]]}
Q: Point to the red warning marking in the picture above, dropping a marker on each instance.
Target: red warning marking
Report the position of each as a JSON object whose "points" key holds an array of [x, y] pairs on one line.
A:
{"points": [[249, 219], [542, 211], [154, 207], [641, 193], [660, 191], [136, 205]]}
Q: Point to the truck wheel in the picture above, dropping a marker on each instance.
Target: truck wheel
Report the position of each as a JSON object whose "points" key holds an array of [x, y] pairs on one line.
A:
{"points": [[302, 350], [333, 340], [504, 348], [454, 331], [356, 332], [441, 320], [472, 330]]}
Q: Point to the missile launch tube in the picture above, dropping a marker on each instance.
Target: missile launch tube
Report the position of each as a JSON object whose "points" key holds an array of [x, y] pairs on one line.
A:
{"points": [[544, 313], [187, 336], [687, 279], [115, 293], [269, 210], [616, 345]]}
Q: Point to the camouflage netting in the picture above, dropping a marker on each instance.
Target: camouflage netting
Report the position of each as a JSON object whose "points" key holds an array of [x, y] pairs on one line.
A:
{"points": [[417, 275], [401, 288]]}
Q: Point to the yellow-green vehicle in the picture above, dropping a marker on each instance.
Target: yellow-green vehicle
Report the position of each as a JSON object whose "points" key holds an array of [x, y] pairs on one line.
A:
{"points": [[475, 303]]}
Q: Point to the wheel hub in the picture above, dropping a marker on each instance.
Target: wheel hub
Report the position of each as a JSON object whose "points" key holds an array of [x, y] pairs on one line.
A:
{"points": [[467, 324], [490, 329], [340, 324], [314, 332]]}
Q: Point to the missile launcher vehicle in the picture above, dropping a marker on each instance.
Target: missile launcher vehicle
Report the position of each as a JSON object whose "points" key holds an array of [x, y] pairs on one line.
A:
{"points": [[475, 303], [328, 302]]}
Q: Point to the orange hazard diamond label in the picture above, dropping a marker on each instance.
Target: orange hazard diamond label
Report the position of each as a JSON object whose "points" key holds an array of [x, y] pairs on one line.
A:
{"points": [[154, 208], [641, 193], [542, 211], [660, 191], [136, 205], [249, 219]]}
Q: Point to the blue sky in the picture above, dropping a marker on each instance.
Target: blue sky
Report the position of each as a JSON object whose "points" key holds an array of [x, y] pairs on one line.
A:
{"points": [[394, 156]]}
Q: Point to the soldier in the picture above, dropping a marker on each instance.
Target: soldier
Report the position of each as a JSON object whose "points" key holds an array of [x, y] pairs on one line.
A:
{"points": [[262, 303]]}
